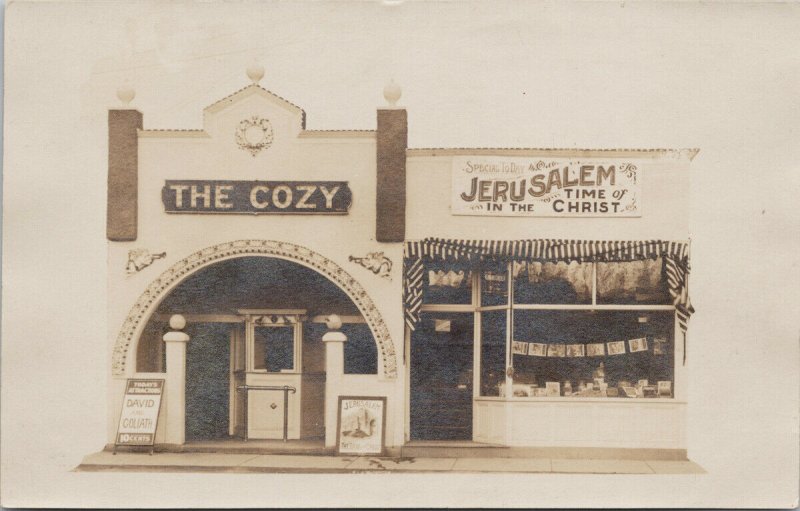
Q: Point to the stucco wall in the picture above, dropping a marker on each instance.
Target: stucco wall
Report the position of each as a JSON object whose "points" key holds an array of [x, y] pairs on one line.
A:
{"points": [[213, 155]]}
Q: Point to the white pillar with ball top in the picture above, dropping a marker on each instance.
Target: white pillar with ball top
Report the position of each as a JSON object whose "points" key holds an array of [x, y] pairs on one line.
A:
{"points": [[334, 371], [175, 385]]}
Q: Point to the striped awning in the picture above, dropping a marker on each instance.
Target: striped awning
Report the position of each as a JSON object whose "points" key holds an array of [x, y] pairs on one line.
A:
{"points": [[675, 254]]}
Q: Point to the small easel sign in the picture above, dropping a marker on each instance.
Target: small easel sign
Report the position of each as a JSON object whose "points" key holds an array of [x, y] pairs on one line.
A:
{"points": [[139, 417]]}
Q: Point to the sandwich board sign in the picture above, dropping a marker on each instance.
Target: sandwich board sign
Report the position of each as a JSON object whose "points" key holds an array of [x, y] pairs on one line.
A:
{"points": [[139, 417]]}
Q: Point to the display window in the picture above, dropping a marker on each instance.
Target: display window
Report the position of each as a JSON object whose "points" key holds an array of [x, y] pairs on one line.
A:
{"points": [[577, 329], [593, 353]]}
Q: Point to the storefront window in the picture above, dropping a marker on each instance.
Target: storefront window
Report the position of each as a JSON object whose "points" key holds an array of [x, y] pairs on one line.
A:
{"points": [[593, 353], [561, 282], [493, 352], [447, 283], [573, 332], [634, 282]]}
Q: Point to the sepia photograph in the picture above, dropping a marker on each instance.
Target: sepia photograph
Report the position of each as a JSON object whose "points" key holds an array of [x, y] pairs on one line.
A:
{"points": [[635, 345], [537, 349], [575, 350], [596, 349], [292, 253], [616, 348], [519, 348]]}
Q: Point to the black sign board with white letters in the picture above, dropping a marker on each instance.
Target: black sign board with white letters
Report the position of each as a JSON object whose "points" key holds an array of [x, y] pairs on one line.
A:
{"points": [[256, 197]]}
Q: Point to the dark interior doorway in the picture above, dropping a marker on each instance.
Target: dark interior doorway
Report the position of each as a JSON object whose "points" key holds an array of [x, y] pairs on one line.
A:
{"points": [[441, 377], [207, 384]]}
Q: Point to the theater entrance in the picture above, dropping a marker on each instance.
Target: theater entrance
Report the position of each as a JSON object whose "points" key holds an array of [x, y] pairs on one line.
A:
{"points": [[256, 326]]}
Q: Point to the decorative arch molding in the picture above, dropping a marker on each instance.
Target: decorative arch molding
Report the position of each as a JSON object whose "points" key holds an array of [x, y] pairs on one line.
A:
{"points": [[141, 310]]}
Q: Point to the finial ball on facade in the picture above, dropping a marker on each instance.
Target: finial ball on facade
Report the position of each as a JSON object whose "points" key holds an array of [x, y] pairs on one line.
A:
{"points": [[126, 94], [255, 72], [333, 322], [177, 322], [392, 93]]}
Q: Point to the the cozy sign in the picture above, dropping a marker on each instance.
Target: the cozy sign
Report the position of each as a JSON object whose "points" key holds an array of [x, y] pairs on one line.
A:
{"points": [[511, 186], [139, 417], [256, 197]]}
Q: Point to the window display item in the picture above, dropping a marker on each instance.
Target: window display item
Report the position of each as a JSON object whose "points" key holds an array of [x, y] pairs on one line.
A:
{"points": [[537, 349], [665, 389], [553, 388], [519, 348], [612, 392], [630, 391], [495, 283], [521, 390], [442, 325], [637, 345], [616, 348], [556, 350], [450, 278], [595, 349], [649, 391], [575, 350], [600, 372]]}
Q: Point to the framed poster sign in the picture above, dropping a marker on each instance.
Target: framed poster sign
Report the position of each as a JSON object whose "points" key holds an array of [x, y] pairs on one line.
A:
{"points": [[361, 425], [139, 417]]}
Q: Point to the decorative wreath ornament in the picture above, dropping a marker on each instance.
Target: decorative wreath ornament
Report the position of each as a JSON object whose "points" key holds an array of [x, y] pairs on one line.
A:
{"points": [[254, 134]]}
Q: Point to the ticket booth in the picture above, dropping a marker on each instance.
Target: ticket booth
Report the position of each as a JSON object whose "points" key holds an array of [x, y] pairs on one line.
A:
{"points": [[273, 394]]}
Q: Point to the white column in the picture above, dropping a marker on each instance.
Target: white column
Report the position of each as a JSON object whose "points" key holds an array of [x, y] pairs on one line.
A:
{"points": [[334, 371], [175, 385]]}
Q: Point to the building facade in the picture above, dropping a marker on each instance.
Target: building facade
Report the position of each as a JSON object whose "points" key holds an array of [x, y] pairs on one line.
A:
{"points": [[525, 298]]}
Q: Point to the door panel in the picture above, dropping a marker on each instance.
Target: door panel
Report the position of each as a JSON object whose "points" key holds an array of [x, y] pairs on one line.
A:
{"points": [[238, 362], [265, 407], [441, 377], [274, 354]]}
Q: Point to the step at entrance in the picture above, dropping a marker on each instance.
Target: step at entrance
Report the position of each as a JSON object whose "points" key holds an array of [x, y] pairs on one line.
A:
{"points": [[453, 449]]}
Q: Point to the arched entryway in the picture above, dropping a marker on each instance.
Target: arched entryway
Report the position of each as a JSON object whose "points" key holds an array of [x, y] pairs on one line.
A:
{"points": [[147, 316], [147, 302], [256, 321]]}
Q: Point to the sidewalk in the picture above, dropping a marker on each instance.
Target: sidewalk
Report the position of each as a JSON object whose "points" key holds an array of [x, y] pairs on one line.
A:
{"points": [[285, 463]]}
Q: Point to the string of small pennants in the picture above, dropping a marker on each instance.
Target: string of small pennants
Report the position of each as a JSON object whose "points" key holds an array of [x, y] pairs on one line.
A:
{"points": [[597, 349]]}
